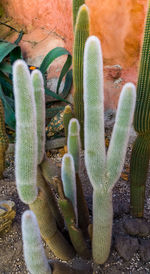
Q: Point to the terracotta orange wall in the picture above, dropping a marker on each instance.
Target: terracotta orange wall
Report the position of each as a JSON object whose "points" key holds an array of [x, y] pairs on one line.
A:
{"points": [[118, 23]]}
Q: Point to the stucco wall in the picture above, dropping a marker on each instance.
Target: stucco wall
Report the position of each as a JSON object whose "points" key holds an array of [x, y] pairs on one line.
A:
{"points": [[118, 23]]}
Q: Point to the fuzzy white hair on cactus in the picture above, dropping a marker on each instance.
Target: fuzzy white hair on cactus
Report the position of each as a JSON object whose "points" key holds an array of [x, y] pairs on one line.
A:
{"points": [[34, 254], [103, 170]]}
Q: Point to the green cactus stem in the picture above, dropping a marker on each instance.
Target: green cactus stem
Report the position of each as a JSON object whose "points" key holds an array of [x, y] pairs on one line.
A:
{"points": [[26, 133], [141, 148], [75, 7], [81, 35], [48, 228], [68, 115], [34, 254], [75, 233], [139, 168], [42, 183], [39, 95], [3, 140], [103, 170], [74, 149]]}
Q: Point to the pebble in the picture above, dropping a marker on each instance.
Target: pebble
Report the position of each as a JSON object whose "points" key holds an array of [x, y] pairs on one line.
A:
{"points": [[126, 246]]}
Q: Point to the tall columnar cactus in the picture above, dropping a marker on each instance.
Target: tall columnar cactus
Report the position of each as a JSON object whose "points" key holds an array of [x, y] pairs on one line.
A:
{"points": [[73, 144], [80, 37], [103, 170], [26, 133], [32, 186], [141, 148], [75, 7], [3, 140], [34, 254]]}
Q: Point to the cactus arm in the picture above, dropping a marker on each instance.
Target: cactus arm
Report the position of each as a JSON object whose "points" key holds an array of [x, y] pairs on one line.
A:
{"points": [[26, 137], [81, 35], [34, 254], [74, 142], [69, 180], [38, 86], [120, 136], [75, 7], [95, 155]]}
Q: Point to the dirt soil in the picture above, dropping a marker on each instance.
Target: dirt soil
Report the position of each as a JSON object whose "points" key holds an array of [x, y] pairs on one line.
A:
{"points": [[11, 253]]}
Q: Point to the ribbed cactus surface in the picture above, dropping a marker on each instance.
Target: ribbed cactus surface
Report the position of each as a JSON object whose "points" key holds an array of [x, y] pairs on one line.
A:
{"points": [[75, 8], [103, 170], [3, 140], [80, 37], [141, 148]]}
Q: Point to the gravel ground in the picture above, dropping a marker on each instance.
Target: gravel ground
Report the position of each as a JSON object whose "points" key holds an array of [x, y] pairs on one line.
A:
{"points": [[11, 254]]}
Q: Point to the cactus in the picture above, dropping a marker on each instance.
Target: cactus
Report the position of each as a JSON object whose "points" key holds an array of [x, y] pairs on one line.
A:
{"points": [[3, 140], [103, 170], [34, 254], [26, 133], [67, 203], [74, 149], [141, 148], [81, 35], [66, 118], [69, 180], [32, 187], [75, 7]]}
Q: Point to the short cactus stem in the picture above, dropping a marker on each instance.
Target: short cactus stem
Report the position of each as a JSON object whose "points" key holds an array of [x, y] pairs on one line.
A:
{"points": [[34, 254], [39, 96]]}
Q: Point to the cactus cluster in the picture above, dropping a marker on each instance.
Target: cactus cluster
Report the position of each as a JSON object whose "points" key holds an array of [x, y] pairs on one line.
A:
{"points": [[141, 148], [68, 216], [34, 171]]}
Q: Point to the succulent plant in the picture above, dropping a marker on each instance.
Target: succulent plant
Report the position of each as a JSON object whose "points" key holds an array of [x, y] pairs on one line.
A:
{"points": [[80, 36], [141, 148], [103, 170]]}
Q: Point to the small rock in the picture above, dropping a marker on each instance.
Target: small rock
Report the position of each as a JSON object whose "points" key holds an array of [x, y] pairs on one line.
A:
{"points": [[120, 207], [138, 227], [126, 246], [113, 72], [144, 250]]}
